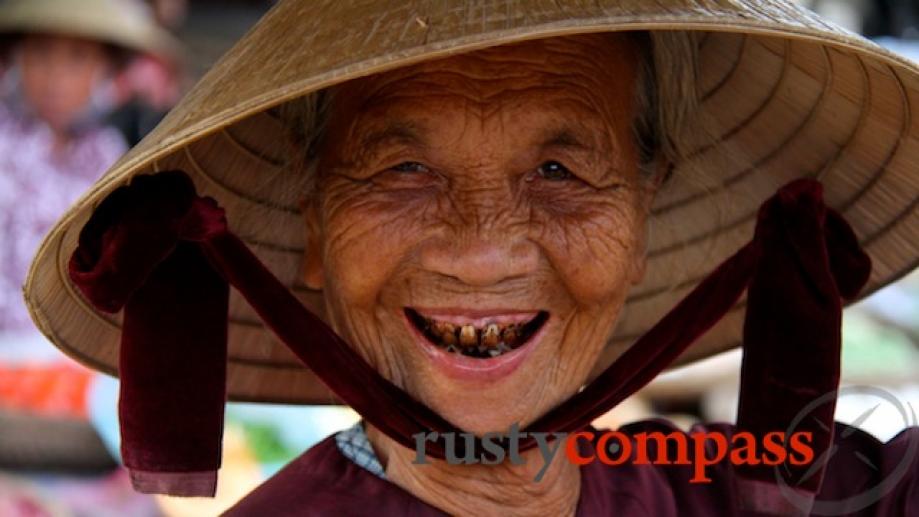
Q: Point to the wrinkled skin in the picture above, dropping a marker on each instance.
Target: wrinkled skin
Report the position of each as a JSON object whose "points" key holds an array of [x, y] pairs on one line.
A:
{"points": [[438, 187], [59, 74]]}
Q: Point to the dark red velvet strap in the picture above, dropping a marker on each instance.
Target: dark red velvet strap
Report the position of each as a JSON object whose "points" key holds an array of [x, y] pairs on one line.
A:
{"points": [[810, 261], [145, 232], [140, 252]]}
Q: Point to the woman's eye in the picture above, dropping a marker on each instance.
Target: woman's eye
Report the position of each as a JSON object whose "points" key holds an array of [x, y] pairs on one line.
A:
{"points": [[554, 171], [410, 167]]}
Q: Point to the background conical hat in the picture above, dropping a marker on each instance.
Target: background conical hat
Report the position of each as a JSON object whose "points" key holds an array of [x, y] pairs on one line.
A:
{"points": [[788, 94], [125, 23]]}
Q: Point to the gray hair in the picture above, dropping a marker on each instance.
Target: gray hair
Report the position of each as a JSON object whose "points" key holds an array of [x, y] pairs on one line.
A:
{"points": [[668, 70]]}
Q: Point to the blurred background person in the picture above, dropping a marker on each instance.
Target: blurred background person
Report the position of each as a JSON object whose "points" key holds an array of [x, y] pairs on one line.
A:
{"points": [[146, 88], [64, 59], [67, 65], [150, 82], [170, 14]]}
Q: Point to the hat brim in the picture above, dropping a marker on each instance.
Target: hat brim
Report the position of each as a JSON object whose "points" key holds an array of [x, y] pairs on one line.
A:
{"points": [[790, 96], [98, 21]]}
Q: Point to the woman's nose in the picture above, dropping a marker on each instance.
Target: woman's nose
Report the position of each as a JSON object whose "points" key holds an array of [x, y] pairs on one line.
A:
{"points": [[480, 260]]}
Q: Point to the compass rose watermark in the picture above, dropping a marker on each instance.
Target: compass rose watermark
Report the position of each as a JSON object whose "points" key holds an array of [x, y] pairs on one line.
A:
{"points": [[872, 494]]}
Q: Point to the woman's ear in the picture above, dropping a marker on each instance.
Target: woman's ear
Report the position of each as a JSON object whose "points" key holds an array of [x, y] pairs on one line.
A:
{"points": [[639, 262], [312, 254], [662, 172]]}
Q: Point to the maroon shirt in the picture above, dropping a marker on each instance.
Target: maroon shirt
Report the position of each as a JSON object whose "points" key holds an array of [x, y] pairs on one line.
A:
{"points": [[861, 470]]}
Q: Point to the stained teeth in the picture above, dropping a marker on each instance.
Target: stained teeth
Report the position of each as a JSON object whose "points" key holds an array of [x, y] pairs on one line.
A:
{"points": [[509, 336], [440, 327], [491, 340], [446, 332], [468, 337], [491, 335]]}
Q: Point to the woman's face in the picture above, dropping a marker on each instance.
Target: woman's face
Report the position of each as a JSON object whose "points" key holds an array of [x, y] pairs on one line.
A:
{"points": [[59, 74], [479, 220]]}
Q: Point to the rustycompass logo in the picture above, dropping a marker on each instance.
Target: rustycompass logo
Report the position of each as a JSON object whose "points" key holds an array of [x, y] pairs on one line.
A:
{"points": [[700, 450]]}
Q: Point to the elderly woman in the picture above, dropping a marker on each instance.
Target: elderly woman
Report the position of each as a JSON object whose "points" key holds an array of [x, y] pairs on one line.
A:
{"points": [[484, 212]]}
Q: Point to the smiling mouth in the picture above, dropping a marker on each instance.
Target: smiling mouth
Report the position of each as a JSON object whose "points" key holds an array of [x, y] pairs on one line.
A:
{"points": [[484, 340]]}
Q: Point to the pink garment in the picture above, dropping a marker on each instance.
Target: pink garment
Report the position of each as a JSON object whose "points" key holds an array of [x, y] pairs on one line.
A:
{"points": [[37, 184]]}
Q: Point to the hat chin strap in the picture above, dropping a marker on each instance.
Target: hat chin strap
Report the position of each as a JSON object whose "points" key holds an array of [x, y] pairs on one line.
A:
{"points": [[165, 255]]}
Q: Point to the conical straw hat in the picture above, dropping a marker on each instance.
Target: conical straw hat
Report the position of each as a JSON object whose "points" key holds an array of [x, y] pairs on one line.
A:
{"points": [[786, 94], [125, 23]]}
